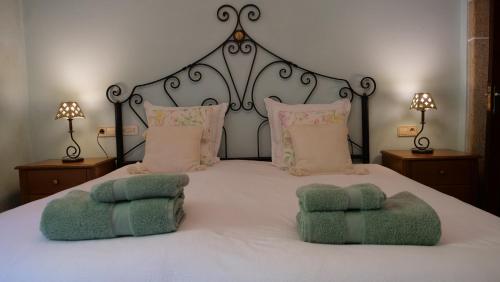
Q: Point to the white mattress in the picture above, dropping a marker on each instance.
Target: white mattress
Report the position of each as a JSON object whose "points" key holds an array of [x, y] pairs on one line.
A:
{"points": [[240, 226]]}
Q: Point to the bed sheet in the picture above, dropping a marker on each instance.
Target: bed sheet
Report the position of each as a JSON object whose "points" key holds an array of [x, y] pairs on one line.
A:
{"points": [[240, 226]]}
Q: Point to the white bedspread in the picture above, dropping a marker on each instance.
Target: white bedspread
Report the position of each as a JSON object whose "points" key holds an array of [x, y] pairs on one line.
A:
{"points": [[240, 226]]}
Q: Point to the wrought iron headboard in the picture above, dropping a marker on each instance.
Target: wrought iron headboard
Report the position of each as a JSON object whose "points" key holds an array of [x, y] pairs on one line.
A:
{"points": [[239, 42]]}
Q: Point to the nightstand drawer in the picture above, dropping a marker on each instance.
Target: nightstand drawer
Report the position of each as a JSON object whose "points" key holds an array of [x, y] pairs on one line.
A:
{"points": [[41, 179], [443, 172], [54, 180], [452, 172]]}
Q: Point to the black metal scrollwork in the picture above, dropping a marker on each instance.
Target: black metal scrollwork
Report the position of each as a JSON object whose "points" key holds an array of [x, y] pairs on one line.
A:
{"points": [[223, 13], [240, 43], [285, 72], [369, 86], [113, 92], [137, 99], [252, 12], [174, 83], [421, 143], [275, 98], [233, 47], [73, 152], [347, 92], [196, 76], [306, 78]]}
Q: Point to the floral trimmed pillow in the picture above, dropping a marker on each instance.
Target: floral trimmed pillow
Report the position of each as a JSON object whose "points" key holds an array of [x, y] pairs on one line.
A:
{"points": [[290, 118], [273, 108], [210, 118]]}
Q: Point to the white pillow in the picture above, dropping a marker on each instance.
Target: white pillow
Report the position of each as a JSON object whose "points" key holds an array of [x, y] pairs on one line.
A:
{"points": [[342, 106], [210, 118], [320, 149], [173, 149]]}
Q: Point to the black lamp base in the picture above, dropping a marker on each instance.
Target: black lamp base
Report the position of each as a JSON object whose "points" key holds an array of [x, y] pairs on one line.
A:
{"points": [[71, 160], [422, 151]]}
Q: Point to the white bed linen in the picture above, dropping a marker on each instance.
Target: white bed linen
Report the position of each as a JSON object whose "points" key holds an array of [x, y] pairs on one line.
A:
{"points": [[240, 226]]}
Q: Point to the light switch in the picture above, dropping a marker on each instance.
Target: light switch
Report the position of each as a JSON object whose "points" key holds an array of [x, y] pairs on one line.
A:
{"points": [[407, 131], [110, 131], [130, 130]]}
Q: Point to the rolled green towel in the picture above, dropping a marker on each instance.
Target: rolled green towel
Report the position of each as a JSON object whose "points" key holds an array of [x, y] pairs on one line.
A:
{"points": [[77, 217], [325, 197], [404, 220], [140, 187]]}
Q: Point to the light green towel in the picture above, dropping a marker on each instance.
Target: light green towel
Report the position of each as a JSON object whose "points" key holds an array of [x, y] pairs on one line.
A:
{"points": [[325, 197], [404, 220], [140, 187], [77, 217]]}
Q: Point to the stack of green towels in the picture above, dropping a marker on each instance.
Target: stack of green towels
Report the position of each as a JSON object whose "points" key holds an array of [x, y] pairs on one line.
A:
{"points": [[361, 214], [135, 206]]}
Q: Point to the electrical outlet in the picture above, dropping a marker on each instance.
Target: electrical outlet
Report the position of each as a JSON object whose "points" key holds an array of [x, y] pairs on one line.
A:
{"points": [[407, 131], [101, 130], [111, 131], [106, 131]]}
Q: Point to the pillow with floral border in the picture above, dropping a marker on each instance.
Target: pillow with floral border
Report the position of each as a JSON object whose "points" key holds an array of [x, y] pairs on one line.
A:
{"points": [[290, 118], [273, 108], [210, 118]]}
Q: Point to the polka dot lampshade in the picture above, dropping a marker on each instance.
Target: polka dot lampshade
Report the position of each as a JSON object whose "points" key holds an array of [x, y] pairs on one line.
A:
{"points": [[422, 102], [69, 110]]}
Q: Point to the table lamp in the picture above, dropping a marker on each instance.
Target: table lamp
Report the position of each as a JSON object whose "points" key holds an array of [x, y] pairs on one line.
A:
{"points": [[422, 102], [70, 111]]}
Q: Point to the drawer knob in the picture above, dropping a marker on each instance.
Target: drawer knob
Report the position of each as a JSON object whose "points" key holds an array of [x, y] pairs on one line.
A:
{"points": [[442, 172], [55, 181]]}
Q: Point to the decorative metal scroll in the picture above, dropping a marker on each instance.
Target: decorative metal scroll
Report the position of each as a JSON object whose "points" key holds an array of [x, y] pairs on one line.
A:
{"points": [[240, 43]]}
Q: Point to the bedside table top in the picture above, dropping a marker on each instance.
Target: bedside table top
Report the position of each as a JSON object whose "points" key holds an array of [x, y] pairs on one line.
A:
{"points": [[438, 154], [57, 163]]}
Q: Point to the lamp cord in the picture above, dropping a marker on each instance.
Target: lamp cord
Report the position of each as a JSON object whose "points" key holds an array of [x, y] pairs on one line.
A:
{"points": [[98, 143]]}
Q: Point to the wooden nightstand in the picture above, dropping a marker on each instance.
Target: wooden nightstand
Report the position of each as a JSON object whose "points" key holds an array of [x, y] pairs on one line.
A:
{"points": [[451, 172], [41, 179]]}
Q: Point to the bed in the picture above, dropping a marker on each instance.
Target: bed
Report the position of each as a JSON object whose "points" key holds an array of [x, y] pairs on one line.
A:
{"points": [[240, 220], [240, 226]]}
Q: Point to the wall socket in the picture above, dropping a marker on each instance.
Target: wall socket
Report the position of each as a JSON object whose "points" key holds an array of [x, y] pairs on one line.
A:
{"points": [[407, 131], [110, 131]]}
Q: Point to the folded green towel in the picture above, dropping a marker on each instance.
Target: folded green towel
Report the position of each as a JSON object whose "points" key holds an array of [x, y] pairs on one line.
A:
{"points": [[404, 220], [325, 197], [140, 187], [77, 217]]}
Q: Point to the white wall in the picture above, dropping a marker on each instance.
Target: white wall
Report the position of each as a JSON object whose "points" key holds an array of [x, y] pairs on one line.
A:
{"points": [[75, 49], [14, 122]]}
